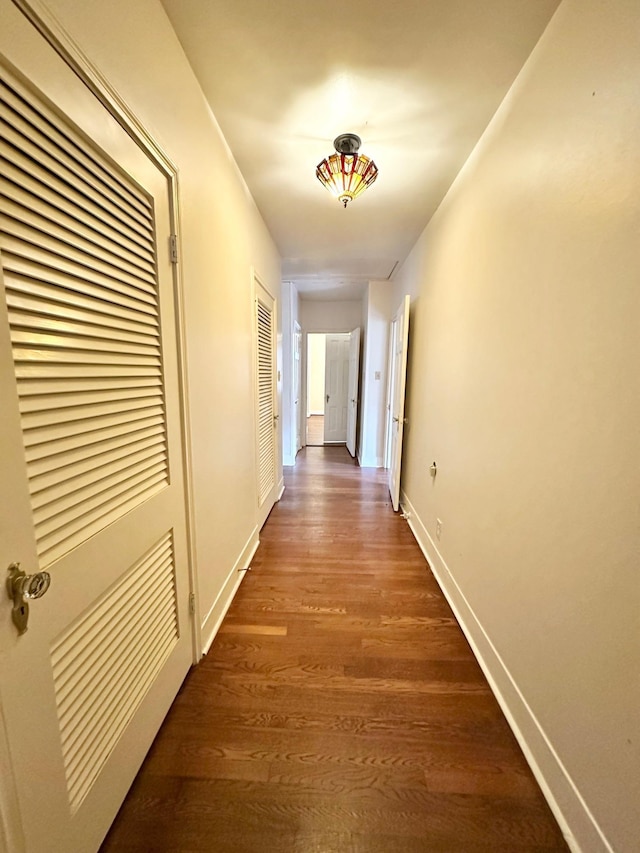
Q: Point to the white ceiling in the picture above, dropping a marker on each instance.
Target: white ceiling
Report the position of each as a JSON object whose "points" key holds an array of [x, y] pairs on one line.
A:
{"points": [[417, 80]]}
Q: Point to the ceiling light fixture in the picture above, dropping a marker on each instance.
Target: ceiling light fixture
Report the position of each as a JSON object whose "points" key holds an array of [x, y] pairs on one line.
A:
{"points": [[346, 173]]}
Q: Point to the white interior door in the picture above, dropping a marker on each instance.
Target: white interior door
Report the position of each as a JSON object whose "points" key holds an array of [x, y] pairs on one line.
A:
{"points": [[336, 388], [266, 415], [388, 422], [297, 385], [398, 366], [92, 489], [352, 409]]}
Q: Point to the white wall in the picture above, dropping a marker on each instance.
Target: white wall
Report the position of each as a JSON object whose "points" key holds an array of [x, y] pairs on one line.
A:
{"points": [[318, 316], [223, 236], [316, 356], [524, 386], [373, 386]]}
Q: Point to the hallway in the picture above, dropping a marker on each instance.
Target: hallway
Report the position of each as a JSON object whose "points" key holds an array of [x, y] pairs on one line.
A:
{"points": [[340, 707]]}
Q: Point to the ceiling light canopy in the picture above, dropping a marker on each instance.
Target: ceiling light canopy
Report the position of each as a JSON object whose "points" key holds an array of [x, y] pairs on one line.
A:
{"points": [[346, 173]]}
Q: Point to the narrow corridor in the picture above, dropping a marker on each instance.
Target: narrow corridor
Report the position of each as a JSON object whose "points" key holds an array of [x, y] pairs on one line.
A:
{"points": [[340, 708]]}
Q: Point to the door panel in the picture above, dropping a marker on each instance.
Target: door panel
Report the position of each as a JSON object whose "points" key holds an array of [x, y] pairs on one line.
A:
{"points": [[336, 387], [352, 410], [398, 367], [71, 375], [297, 385], [93, 486]]}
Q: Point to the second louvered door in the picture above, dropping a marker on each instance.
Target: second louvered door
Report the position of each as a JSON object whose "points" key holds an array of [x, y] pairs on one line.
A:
{"points": [[265, 399], [92, 488]]}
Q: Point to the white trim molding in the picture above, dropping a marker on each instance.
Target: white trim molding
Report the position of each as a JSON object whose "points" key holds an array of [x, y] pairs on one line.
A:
{"points": [[211, 623], [578, 825], [371, 462]]}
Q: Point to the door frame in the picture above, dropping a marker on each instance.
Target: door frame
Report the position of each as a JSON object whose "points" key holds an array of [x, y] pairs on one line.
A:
{"points": [[304, 369], [50, 28], [308, 365]]}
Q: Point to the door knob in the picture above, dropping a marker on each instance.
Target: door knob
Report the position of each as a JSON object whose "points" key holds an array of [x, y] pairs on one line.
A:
{"points": [[327, 398], [22, 587]]}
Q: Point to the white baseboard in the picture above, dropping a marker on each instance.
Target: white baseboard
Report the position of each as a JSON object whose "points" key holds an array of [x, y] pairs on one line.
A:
{"points": [[280, 489], [578, 825], [212, 621], [371, 462]]}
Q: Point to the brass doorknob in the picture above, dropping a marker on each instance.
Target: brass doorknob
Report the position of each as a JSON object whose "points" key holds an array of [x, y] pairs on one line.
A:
{"points": [[21, 588]]}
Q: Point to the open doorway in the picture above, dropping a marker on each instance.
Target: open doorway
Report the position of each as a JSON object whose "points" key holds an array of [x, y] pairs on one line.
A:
{"points": [[328, 383], [315, 389]]}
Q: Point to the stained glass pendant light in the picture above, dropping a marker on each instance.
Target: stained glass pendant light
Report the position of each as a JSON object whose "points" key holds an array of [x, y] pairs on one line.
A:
{"points": [[346, 173]]}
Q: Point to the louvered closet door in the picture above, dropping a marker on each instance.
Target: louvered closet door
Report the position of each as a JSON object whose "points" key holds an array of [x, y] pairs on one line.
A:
{"points": [[92, 488], [265, 332]]}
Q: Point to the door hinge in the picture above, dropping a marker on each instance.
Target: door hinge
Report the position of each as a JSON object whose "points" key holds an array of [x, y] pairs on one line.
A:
{"points": [[173, 248], [192, 604]]}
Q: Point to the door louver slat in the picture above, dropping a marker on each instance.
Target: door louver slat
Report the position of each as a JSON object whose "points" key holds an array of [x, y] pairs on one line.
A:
{"points": [[69, 508], [86, 454], [47, 257], [31, 261], [131, 227], [77, 246], [47, 293], [87, 409], [32, 390], [92, 440], [20, 113], [50, 432], [71, 401], [97, 694], [92, 466], [38, 214]]}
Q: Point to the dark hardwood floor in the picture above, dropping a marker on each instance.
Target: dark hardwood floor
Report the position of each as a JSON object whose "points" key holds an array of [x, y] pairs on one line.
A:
{"points": [[340, 709], [315, 430]]}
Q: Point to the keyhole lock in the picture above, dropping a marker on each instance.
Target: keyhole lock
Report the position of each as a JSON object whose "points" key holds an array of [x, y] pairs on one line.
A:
{"points": [[22, 587]]}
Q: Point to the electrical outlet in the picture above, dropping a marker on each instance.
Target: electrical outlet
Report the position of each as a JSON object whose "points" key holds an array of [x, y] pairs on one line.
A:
{"points": [[438, 528]]}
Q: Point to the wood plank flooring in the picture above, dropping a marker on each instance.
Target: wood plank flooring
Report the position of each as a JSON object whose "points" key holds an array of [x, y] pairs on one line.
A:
{"points": [[315, 430], [340, 709]]}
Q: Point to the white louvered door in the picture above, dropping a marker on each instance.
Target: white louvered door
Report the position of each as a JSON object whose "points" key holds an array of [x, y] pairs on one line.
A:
{"points": [[265, 332], [92, 487]]}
